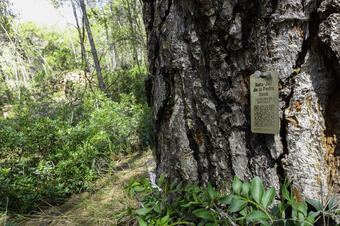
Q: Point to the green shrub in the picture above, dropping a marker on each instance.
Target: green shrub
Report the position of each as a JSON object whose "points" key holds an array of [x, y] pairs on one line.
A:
{"points": [[6, 95], [49, 150], [127, 81], [241, 204]]}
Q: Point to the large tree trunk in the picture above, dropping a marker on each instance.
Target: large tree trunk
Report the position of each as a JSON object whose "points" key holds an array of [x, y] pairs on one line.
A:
{"points": [[201, 54]]}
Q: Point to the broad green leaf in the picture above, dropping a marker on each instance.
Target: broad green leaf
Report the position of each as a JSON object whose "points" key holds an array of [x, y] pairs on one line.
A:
{"points": [[311, 219], [226, 199], [244, 212], [143, 211], [161, 179], [299, 211], [314, 213], [245, 188], [210, 224], [316, 204], [303, 208], [139, 188], [268, 197], [283, 207], [257, 216], [203, 214], [264, 223], [257, 189], [285, 192], [276, 211], [189, 204], [135, 184], [141, 222], [212, 192], [131, 181], [165, 219], [237, 185], [333, 203], [237, 204], [194, 195], [132, 193], [204, 197], [157, 208]]}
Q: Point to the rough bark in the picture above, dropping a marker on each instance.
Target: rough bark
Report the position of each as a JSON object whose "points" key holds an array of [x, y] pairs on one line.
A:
{"points": [[201, 54]]}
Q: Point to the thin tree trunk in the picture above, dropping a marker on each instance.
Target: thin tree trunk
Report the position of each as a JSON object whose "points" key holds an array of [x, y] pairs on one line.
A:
{"points": [[111, 53], [93, 48], [201, 55], [81, 39], [81, 34], [112, 63], [73, 48], [113, 43], [133, 36], [17, 58], [139, 24]]}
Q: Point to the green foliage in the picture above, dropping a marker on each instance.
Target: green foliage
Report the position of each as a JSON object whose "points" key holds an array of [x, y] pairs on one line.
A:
{"points": [[118, 23], [6, 17], [127, 81], [58, 138], [50, 149], [30, 51], [48, 46], [6, 96], [242, 204]]}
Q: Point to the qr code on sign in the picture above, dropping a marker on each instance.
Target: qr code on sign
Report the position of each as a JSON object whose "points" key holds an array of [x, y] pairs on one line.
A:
{"points": [[264, 115]]}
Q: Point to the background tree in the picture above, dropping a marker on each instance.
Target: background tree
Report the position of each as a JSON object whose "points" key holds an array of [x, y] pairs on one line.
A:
{"points": [[6, 16], [201, 54], [81, 34], [117, 31], [57, 137], [93, 47]]}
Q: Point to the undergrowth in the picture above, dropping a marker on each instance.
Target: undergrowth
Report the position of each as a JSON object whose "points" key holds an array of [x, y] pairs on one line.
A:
{"points": [[53, 144], [243, 203]]}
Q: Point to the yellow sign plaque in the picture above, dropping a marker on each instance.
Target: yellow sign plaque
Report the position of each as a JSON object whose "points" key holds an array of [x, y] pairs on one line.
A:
{"points": [[264, 102]]}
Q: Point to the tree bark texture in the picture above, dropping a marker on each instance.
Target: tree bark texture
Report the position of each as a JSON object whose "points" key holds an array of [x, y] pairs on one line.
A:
{"points": [[201, 54]]}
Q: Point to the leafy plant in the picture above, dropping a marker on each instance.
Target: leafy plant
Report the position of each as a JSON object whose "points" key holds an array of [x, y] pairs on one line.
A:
{"points": [[329, 211], [49, 150], [242, 204], [127, 81]]}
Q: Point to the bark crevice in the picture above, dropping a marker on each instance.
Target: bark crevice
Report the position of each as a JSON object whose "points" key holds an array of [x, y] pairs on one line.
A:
{"points": [[167, 12], [329, 23]]}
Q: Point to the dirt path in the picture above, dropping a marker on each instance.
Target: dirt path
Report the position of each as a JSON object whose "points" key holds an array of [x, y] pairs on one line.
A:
{"points": [[98, 208]]}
